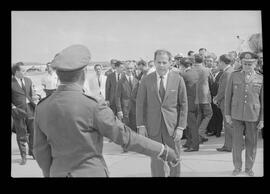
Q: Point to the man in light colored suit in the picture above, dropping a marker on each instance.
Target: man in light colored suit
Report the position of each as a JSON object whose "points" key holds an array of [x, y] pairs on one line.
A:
{"points": [[190, 77], [203, 95], [161, 109], [95, 86], [225, 66]]}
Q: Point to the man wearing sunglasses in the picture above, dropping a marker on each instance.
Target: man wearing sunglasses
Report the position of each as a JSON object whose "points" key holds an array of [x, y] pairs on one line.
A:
{"points": [[244, 110]]}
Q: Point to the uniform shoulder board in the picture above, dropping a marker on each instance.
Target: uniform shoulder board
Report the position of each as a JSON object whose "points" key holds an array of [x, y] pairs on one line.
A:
{"points": [[91, 97], [258, 72], [237, 70], [42, 99]]}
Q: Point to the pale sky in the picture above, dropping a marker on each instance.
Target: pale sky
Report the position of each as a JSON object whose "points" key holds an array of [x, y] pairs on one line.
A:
{"points": [[38, 35]]}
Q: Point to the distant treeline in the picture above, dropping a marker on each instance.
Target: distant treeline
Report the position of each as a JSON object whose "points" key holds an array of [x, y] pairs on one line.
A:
{"points": [[104, 64]]}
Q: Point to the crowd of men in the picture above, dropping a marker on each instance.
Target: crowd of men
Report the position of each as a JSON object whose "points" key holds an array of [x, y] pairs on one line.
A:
{"points": [[159, 101]]}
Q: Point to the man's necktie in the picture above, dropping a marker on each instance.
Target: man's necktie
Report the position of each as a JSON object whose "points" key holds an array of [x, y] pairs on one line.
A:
{"points": [[130, 83], [118, 77], [161, 88], [99, 83], [23, 87]]}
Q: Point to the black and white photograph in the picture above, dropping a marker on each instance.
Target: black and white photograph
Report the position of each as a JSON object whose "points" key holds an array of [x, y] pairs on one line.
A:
{"points": [[137, 93]]}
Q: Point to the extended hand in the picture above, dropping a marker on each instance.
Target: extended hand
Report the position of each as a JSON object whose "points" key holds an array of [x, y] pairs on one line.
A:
{"points": [[260, 125], [228, 119], [214, 100], [120, 115], [142, 131], [178, 133]]}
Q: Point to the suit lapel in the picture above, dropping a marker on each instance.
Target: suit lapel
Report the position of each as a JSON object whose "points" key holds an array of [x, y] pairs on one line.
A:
{"points": [[154, 83], [125, 82], [169, 84], [17, 85]]}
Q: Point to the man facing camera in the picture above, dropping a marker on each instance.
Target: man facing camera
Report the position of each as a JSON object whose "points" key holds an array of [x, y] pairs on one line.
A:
{"points": [[69, 125], [161, 109], [244, 110]]}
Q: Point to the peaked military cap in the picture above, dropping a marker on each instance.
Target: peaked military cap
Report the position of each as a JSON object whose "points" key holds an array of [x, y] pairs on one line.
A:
{"points": [[72, 58], [248, 57]]}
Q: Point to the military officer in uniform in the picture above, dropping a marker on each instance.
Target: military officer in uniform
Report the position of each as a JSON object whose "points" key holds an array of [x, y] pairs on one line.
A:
{"points": [[69, 125], [244, 110]]}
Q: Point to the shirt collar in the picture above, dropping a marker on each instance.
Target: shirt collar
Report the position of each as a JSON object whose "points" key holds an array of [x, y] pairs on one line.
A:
{"points": [[19, 80], [70, 87], [249, 73], [225, 69], [164, 77]]}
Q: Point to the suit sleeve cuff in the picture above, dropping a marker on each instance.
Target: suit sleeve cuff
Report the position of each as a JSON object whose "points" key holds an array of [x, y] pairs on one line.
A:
{"points": [[140, 126], [161, 151], [180, 128]]}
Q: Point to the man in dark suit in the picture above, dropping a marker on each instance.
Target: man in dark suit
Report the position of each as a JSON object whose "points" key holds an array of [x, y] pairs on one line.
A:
{"points": [[225, 62], [161, 109], [203, 96], [127, 88], [112, 69], [70, 126], [191, 78], [111, 85], [215, 124], [23, 108]]}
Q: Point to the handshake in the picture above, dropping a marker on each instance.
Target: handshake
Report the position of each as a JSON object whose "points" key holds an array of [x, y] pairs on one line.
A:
{"points": [[169, 155]]}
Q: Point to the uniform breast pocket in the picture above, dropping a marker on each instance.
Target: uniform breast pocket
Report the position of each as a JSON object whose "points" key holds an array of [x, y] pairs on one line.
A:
{"points": [[236, 86], [257, 87]]}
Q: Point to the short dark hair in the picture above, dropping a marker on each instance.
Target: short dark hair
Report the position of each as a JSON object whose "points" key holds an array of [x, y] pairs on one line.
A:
{"points": [[198, 58], [118, 63], [142, 62], [189, 53], [16, 67], [186, 62], [162, 51], [97, 65], [227, 59], [69, 76], [202, 49]]}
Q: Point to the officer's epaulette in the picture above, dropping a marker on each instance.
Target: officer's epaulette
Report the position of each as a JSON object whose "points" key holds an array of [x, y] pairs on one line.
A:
{"points": [[42, 99], [237, 70], [91, 97], [258, 72]]}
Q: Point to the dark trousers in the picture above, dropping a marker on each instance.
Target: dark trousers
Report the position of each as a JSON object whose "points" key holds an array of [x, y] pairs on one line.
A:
{"points": [[204, 115], [250, 143], [113, 107], [192, 133], [157, 165], [215, 124], [25, 131], [129, 119], [24, 134]]}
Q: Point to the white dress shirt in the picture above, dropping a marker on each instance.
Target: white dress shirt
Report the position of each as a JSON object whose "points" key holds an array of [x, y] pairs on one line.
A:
{"points": [[50, 81], [165, 78], [128, 77]]}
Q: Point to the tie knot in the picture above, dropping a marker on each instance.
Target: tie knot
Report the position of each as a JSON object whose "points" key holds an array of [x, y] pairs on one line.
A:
{"points": [[161, 77]]}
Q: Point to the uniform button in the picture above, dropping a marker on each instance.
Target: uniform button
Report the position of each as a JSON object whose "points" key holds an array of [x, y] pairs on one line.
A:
{"points": [[245, 96], [245, 101]]}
